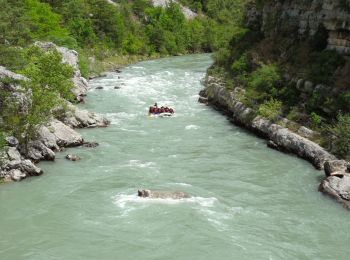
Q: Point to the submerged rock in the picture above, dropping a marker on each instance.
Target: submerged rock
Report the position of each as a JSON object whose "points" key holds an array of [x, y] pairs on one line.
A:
{"points": [[72, 157], [90, 144], [162, 194]]}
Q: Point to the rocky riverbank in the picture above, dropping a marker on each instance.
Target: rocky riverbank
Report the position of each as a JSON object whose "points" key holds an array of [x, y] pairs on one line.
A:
{"points": [[54, 136], [337, 180]]}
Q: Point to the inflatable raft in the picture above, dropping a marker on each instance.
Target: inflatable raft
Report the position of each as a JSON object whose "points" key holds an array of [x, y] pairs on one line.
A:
{"points": [[161, 115]]}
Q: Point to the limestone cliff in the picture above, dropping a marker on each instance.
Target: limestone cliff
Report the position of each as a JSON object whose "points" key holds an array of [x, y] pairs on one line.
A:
{"points": [[307, 18]]}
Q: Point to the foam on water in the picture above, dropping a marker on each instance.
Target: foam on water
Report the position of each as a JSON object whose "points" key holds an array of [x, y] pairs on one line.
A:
{"points": [[140, 164], [192, 127], [122, 200]]}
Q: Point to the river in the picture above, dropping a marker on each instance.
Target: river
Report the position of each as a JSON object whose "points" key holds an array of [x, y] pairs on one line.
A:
{"points": [[247, 201]]}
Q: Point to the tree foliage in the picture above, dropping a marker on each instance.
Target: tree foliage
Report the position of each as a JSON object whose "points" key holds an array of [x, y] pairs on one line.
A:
{"points": [[340, 132], [49, 82]]}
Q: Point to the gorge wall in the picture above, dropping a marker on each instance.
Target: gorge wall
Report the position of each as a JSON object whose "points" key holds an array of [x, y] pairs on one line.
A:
{"points": [[308, 18]]}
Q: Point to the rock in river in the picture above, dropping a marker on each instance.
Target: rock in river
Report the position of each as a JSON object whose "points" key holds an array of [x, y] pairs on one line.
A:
{"points": [[72, 157]]}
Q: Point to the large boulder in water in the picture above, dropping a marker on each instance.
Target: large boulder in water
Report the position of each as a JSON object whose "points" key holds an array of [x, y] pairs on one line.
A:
{"points": [[338, 187], [25, 166], [80, 118], [335, 166]]}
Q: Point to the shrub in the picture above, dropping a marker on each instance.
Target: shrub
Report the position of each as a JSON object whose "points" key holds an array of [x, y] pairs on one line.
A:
{"points": [[2, 140], [2, 146], [343, 101], [84, 64], [340, 135], [315, 119], [270, 109], [265, 79], [221, 56], [240, 65]]}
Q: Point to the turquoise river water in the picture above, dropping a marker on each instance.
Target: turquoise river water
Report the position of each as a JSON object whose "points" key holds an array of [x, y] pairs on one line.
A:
{"points": [[247, 201]]}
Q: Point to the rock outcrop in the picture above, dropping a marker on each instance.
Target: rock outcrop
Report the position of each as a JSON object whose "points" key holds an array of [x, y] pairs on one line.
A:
{"points": [[17, 162], [338, 187], [80, 118]]}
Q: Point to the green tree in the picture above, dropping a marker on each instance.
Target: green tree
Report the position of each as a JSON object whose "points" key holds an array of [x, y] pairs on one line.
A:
{"points": [[45, 24], [14, 28], [75, 14], [340, 135], [49, 82]]}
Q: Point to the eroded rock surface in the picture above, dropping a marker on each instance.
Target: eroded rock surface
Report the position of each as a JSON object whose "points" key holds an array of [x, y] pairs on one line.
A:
{"points": [[338, 187]]}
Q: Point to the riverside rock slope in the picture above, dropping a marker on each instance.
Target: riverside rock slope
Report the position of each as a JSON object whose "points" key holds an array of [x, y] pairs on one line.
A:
{"points": [[337, 181], [50, 138]]}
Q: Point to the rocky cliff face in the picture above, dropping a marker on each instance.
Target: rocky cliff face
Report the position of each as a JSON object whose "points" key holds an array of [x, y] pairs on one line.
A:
{"points": [[308, 18]]}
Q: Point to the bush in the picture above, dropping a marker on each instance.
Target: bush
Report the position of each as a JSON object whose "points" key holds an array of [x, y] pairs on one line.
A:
{"points": [[270, 109], [2, 140], [83, 64], [265, 79], [340, 135], [241, 65], [221, 56], [315, 119], [343, 101], [46, 24]]}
